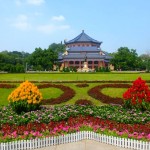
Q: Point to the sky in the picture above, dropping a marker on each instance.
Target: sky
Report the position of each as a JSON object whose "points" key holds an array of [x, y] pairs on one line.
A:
{"points": [[29, 24]]}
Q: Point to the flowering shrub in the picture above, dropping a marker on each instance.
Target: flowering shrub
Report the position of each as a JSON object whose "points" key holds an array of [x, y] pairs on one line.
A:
{"points": [[25, 98], [138, 96]]}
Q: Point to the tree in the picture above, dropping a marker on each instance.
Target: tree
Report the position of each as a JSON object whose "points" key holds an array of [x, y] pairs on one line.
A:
{"points": [[125, 59], [12, 61], [45, 59], [146, 61]]}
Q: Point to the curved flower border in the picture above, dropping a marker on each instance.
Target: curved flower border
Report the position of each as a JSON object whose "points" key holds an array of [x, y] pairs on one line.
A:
{"points": [[68, 93], [96, 93], [7, 86]]}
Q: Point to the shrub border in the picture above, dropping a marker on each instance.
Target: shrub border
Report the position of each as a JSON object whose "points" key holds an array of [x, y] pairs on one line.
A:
{"points": [[79, 81]]}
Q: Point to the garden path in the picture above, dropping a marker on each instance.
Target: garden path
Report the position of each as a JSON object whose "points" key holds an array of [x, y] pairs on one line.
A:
{"points": [[83, 145]]}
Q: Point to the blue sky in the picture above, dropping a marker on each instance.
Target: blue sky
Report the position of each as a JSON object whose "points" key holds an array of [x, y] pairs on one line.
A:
{"points": [[27, 24]]}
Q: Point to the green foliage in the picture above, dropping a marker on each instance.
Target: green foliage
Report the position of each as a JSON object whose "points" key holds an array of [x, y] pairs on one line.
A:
{"points": [[70, 69], [126, 59], [23, 106], [102, 69], [42, 60], [116, 113], [146, 61], [13, 62]]}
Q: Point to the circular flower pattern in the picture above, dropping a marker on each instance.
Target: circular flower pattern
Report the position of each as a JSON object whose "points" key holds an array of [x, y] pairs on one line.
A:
{"points": [[67, 95], [96, 93]]}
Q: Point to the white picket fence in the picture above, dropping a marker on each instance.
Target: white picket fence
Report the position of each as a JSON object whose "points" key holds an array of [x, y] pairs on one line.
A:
{"points": [[74, 137]]}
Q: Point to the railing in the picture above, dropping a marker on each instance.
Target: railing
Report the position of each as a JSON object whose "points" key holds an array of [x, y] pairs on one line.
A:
{"points": [[74, 137]]}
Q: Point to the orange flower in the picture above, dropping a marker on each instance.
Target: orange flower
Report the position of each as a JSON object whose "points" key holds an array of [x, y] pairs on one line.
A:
{"points": [[26, 91]]}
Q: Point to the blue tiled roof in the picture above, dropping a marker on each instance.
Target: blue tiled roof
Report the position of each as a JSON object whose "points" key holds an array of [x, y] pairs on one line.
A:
{"points": [[83, 37], [88, 55], [85, 48]]}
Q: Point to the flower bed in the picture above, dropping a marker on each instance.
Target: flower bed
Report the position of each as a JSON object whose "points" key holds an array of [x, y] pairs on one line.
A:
{"points": [[72, 118], [74, 137], [96, 93], [67, 95]]}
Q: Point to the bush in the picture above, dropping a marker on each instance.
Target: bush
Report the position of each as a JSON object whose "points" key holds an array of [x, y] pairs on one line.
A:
{"points": [[138, 96], [25, 98]]}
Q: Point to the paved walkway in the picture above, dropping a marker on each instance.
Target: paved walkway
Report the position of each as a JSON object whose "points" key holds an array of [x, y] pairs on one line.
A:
{"points": [[83, 145]]}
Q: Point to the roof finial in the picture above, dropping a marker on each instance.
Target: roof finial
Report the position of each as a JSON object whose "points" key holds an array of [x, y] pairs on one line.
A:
{"points": [[82, 31]]}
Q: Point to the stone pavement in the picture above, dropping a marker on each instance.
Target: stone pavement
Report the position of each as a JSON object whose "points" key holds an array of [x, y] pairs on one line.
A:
{"points": [[83, 145]]}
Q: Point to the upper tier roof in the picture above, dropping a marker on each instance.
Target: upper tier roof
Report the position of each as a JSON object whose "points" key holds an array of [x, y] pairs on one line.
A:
{"points": [[83, 37]]}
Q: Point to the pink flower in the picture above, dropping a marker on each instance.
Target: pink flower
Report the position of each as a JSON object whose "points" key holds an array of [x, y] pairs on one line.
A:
{"points": [[139, 137], [148, 136], [14, 134], [55, 129], [26, 132]]}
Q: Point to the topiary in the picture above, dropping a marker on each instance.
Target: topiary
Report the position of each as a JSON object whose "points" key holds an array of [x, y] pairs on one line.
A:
{"points": [[137, 96], [25, 98]]}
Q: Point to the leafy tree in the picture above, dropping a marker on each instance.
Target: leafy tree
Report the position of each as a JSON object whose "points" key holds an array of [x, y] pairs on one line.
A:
{"points": [[125, 59], [45, 59], [12, 61], [145, 58]]}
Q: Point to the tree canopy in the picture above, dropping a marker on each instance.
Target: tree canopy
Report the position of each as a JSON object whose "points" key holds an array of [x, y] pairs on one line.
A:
{"points": [[126, 59]]}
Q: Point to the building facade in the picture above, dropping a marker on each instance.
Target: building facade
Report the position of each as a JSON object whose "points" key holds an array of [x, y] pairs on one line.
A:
{"points": [[83, 49]]}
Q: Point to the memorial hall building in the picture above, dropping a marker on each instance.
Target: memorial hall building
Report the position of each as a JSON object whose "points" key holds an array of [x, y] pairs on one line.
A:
{"points": [[84, 53]]}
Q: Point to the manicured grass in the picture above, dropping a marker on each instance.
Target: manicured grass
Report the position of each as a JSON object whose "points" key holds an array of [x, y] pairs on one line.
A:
{"points": [[114, 92], [51, 92], [81, 93], [4, 95], [73, 76]]}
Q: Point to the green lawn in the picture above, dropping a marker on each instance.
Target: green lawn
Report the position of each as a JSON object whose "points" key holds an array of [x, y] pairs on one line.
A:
{"points": [[114, 92], [73, 76], [81, 93]]}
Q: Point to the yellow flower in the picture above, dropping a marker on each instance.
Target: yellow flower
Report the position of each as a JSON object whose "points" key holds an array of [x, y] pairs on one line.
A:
{"points": [[26, 91], [29, 101]]}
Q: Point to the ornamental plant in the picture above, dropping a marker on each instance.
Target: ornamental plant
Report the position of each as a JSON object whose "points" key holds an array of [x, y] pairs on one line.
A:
{"points": [[26, 97], [138, 95]]}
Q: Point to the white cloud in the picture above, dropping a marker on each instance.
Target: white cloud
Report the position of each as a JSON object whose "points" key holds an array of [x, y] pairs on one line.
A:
{"points": [[35, 2], [21, 22], [58, 18], [52, 28], [18, 2]]}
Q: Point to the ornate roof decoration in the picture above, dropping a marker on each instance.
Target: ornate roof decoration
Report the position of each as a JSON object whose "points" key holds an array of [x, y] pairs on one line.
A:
{"points": [[83, 37]]}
